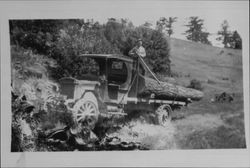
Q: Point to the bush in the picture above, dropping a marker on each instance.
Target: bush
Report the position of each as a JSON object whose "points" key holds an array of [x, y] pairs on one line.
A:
{"points": [[22, 125], [209, 81], [195, 84], [57, 114], [25, 63], [30, 127], [176, 74]]}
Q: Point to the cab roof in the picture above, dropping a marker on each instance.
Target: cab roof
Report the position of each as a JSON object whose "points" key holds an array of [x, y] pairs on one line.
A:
{"points": [[117, 56]]}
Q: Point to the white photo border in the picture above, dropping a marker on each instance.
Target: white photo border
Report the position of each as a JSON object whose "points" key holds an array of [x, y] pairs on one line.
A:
{"points": [[174, 158]]}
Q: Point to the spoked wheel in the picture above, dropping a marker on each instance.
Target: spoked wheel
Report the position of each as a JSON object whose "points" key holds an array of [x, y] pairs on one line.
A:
{"points": [[86, 111], [164, 114]]}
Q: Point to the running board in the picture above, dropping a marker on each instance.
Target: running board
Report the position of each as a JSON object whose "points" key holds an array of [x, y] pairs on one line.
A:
{"points": [[112, 109], [117, 113], [149, 101], [109, 114]]}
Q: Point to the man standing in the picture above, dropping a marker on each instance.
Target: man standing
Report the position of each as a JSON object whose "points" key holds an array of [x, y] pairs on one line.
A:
{"points": [[138, 50], [135, 53]]}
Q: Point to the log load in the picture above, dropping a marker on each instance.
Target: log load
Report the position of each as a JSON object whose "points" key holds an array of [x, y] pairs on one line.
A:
{"points": [[168, 91]]}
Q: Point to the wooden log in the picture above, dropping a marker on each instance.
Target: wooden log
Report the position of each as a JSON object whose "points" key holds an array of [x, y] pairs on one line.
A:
{"points": [[170, 91]]}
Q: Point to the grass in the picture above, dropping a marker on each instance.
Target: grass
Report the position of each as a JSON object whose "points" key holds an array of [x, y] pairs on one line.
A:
{"points": [[205, 124], [212, 125], [222, 137]]}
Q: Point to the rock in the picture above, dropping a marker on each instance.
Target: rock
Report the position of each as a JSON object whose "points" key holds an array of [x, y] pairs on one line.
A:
{"points": [[93, 137], [25, 128], [80, 141], [223, 97], [60, 134]]}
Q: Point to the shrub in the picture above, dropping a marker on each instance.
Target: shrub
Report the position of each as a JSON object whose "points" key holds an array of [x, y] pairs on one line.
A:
{"points": [[209, 81], [25, 63], [225, 78], [221, 52], [195, 84], [176, 74], [30, 127], [22, 125]]}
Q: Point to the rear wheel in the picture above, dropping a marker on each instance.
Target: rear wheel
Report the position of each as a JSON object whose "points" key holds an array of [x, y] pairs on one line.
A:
{"points": [[86, 111], [164, 114]]}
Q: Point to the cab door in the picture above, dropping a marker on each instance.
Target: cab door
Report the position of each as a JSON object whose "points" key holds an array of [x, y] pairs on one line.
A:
{"points": [[118, 78]]}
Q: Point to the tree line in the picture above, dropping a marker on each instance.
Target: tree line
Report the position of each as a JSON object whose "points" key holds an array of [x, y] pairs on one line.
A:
{"points": [[196, 32], [65, 40]]}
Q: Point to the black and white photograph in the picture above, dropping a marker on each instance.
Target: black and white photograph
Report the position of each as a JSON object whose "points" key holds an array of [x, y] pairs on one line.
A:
{"points": [[123, 76]]}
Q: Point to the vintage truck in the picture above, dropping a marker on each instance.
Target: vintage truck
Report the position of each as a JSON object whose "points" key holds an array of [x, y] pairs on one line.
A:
{"points": [[115, 90]]}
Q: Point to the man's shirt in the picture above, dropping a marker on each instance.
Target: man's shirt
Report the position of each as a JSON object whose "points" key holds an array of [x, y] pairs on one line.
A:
{"points": [[138, 51]]}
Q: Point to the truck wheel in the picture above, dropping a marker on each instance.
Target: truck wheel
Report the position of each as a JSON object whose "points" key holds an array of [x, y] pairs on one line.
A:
{"points": [[86, 111], [163, 114]]}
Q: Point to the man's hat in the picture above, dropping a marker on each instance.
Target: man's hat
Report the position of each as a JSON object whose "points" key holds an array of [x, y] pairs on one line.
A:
{"points": [[139, 39]]}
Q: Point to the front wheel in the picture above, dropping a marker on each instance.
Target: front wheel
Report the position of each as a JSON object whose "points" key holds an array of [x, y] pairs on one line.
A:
{"points": [[164, 114], [86, 111]]}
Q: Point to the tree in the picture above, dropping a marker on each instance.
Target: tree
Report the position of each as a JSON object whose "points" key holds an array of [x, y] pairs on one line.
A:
{"points": [[75, 39], [147, 24], [65, 40], [157, 48], [166, 24], [114, 32], [196, 32], [158, 52], [169, 25], [235, 40], [224, 34], [39, 35], [160, 24]]}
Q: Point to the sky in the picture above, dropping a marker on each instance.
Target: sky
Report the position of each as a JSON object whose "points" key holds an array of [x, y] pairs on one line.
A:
{"points": [[139, 11], [213, 12]]}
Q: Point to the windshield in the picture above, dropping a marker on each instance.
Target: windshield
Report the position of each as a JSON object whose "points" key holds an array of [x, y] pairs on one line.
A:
{"points": [[117, 71]]}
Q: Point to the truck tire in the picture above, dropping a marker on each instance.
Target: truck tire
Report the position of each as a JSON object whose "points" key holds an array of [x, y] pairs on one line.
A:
{"points": [[86, 111], [163, 114]]}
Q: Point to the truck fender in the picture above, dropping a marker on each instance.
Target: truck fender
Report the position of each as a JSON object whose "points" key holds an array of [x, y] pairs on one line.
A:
{"points": [[93, 95]]}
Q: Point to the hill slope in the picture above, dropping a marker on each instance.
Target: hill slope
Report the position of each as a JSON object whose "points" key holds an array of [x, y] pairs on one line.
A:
{"points": [[206, 124], [220, 66]]}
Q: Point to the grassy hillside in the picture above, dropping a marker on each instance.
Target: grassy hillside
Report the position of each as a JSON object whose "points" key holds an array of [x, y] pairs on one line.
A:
{"points": [[208, 64], [207, 124]]}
